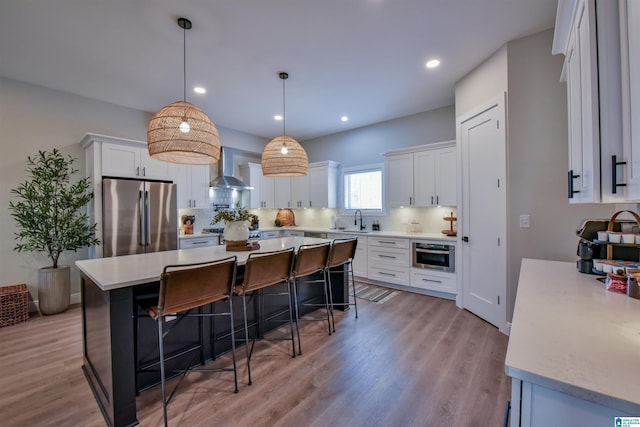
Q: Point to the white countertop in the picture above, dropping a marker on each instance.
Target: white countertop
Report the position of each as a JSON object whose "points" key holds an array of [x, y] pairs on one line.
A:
{"points": [[384, 233], [572, 335], [129, 270]]}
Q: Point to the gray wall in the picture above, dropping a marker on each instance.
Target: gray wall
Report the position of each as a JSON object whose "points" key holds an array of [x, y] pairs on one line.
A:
{"points": [[33, 118], [364, 145], [537, 150]]}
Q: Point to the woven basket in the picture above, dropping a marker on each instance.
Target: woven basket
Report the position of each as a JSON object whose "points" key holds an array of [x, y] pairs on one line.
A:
{"points": [[612, 223], [14, 304]]}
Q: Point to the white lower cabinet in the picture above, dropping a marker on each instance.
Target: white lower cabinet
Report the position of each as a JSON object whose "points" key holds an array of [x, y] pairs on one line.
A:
{"points": [[359, 263], [433, 280], [270, 234], [389, 260], [535, 406], [197, 242]]}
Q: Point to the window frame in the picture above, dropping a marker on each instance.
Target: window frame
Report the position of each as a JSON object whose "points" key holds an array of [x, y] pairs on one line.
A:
{"points": [[362, 169]]}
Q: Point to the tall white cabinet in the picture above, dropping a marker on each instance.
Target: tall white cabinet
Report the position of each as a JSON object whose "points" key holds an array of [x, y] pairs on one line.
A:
{"points": [[422, 176], [600, 169]]}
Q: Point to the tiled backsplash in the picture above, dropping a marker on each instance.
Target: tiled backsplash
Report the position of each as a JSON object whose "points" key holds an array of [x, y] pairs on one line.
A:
{"points": [[429, 219]]}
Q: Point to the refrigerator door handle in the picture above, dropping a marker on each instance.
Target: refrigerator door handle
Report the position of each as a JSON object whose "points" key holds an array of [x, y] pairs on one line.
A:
{"points": [[142, 228], [147, 218]]}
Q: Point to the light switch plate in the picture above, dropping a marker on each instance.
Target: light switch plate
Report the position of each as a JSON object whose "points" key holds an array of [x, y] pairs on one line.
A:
{"points": [[525, 221]]}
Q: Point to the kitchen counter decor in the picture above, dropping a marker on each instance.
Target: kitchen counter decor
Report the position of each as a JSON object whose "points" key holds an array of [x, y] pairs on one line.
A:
{"points": [[236, 230]]}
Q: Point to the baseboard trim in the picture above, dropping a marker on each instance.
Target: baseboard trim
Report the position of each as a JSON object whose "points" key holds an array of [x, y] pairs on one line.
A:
{"points": [[34, 305]]}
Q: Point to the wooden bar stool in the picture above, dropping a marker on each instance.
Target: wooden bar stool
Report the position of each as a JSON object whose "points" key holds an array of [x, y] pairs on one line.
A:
{"points": [[184, 288], [309, 260], [341, 255], [262, 270]]}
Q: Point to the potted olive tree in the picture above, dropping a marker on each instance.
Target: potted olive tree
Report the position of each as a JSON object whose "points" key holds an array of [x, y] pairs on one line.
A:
{"points": [[51, 215]]}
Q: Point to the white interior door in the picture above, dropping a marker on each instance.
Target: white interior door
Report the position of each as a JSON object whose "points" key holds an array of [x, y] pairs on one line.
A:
{"points": [[484, 212]]}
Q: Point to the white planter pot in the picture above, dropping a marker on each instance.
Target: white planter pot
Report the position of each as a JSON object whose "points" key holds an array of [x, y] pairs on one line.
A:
{"points": [[54, 289], [236, 231]]}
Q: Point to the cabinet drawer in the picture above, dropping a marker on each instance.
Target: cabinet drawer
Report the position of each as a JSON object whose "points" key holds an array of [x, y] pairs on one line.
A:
{"points": [[388, 242], [389, 274], [197, 242], [389, 256], [271, 234], [436, 281]]}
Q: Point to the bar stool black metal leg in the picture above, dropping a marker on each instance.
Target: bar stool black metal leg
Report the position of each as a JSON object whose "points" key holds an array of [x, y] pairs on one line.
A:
{"points": [[233, 345], [246, 336], [294, 284]]}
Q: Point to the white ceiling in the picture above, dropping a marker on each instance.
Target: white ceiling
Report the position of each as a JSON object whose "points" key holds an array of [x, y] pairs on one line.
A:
{"points": [[361, 58]]}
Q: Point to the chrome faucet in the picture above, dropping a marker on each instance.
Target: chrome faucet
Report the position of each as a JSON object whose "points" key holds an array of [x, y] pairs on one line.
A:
{"points": [[355, 222]]}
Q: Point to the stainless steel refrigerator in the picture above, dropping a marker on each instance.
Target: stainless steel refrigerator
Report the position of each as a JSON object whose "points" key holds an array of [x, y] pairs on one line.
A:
{"points": [[138, 216]]}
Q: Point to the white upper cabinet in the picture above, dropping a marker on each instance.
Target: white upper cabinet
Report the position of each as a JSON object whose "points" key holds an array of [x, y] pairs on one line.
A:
{"points": [[262, 195], [399, 177], [282, 192], [300, 191], [630, 59], [193, 186], [322, 181], [133, 161], [318, 189], [588, 34], [425, 176]]}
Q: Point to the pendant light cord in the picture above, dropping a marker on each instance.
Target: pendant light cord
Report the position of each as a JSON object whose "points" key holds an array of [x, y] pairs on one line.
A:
{"points": [[284, 114], [184, 64]]}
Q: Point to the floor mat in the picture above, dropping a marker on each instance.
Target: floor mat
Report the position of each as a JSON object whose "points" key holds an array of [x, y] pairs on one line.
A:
{"points": [[375, 294]]}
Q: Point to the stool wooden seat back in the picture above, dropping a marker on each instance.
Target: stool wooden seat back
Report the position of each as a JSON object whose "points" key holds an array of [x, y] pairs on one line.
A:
{"points": [[341, 255], [264, 269], [187, 287], [309, 260]]}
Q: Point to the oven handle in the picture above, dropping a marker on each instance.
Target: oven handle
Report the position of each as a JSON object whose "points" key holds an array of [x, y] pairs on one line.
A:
{"points": [[432, 251]]}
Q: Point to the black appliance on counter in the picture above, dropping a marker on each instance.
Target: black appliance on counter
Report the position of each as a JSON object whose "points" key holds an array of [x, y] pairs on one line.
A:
{"points": [[589, 248]]}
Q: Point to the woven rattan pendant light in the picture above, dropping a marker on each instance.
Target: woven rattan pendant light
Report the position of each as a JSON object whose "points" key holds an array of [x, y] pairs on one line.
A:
{"points": [[181, 132], [283, 155]]}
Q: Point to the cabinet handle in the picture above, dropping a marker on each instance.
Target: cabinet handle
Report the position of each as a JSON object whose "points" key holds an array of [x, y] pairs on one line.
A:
{"points": [[144, 171], [194, 203], [410, 200], [138, 171], [386, 256], [310, 203], [614, 174], [199, 243], [432, 200], [386, 242], [570, 189], [382, 273], [437, 200], [465, 239], [433, 281]]}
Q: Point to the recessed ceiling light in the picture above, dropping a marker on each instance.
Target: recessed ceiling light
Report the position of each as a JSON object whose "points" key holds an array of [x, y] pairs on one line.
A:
{"points": [[199, 90], [344, 118], [277, 117], [433, 63]]}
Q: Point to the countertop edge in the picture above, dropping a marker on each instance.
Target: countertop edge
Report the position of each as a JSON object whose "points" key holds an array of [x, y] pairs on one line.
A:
{"points": [[557, 363]]}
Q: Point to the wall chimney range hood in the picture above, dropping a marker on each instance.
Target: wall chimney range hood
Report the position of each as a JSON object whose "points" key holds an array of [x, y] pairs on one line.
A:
{"points": [[225, 178]]}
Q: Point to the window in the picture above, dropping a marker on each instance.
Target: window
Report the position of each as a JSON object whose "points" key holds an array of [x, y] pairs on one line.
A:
{"points": [[363, 188]]}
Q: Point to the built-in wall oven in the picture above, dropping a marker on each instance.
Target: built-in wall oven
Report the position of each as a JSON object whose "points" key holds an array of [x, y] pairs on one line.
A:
{"points": [[433, 255]]}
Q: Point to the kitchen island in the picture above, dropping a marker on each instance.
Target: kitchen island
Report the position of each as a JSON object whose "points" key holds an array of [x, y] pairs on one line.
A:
{"points": [[574, 349], [112, 292]]}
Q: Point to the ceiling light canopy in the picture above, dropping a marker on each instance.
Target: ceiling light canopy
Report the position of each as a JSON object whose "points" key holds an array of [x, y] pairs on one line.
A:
{"points": [[283, 155], [181, 132]]}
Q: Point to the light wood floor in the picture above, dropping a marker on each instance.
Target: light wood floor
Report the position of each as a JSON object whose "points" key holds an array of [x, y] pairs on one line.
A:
{"points": [[412, 361]]}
